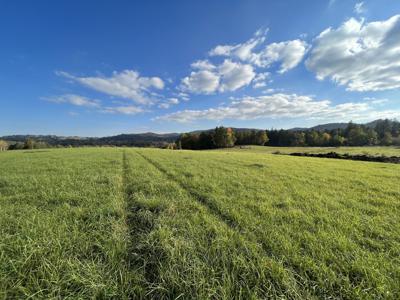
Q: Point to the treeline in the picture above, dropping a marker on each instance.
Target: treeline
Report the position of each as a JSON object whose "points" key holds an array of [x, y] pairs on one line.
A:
{"points": [[381, 132], [30, 144], [18, 142], [221, 137]]}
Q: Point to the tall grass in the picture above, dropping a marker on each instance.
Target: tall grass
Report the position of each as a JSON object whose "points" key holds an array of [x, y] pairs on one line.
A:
{"points": [[146, 223]]}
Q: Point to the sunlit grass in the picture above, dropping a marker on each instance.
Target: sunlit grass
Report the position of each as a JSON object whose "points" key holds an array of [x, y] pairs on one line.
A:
{"points": [[370, 150], [148, 223]]}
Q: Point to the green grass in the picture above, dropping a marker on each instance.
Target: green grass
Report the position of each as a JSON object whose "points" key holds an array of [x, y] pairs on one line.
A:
{"points": [[149, 223], [370, 150]]}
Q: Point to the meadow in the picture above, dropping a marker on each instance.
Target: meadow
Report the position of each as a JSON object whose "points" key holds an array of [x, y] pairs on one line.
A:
{"points": [[129, 223], [367, 150]]}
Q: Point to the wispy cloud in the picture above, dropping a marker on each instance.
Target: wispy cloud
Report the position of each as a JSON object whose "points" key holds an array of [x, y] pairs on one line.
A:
{"points": [[125, 110], [359, 8], [168, 103], [74, 100], [127, 84]]}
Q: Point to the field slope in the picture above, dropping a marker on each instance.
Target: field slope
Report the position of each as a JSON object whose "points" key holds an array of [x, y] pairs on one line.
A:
{"points": [[147, 223]]}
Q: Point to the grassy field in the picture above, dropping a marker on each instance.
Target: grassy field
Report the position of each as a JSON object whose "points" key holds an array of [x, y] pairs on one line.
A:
{"points": [[148, 223], [371, 150]]}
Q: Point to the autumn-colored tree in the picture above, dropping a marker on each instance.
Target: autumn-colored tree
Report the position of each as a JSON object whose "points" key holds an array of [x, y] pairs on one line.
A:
{"points": [[223, 137]]}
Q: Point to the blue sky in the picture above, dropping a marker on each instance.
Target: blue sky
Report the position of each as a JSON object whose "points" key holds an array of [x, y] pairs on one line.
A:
{"points": [[96, 68]]}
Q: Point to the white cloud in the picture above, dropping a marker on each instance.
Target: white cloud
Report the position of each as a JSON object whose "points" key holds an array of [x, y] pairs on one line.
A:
{"points": [[74, 100], [361, 56], [359, 8], [202, 65], [243, 51], [228, 76], [94, 105], [269, 91], [241, 63], [376, 101], [127, 84], [168, 103], [260, 80], [234, 75], [201, 82], [275, 106], [183, 96], [289, 53], [125, 110], [173, 100]]}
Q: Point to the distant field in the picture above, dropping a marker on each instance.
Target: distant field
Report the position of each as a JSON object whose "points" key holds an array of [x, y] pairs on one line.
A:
{"points": [[371, 150], [242, 223]]}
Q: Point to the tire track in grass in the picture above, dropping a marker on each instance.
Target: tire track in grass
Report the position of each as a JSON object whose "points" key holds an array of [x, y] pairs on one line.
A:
{"points": [[211, 206], [232, 224], [143, 254]]}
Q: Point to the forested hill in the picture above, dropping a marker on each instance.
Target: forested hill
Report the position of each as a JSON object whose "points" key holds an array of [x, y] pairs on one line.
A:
{"points": [[135, 139], [275, 137]]}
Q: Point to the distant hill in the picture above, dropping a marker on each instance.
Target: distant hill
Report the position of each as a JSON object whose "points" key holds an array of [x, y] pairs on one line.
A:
{"points": [[322, 127], [144, 139], [135, 139], [330, 126], [234, 128]]}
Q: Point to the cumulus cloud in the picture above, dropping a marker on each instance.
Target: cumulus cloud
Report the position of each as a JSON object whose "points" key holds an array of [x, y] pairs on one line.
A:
{"points": [[127, 84], [361, 56], [201, 82], [289, 53], [202, 65], [241, 63], [275, 106], [228, 76], [75, 100], [243, 51], [234, 75]]}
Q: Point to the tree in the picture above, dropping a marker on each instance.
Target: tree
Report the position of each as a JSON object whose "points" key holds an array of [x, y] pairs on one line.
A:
{"points": [[326, 139], [337, 140], [3, 145], [189, 141], [372, 137], [223, 137], [16, 146], [357, 136], [313, 138], [29, 144], [387, 139], [206, 140], [261, 138], [297, 138], [383, 126]]}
